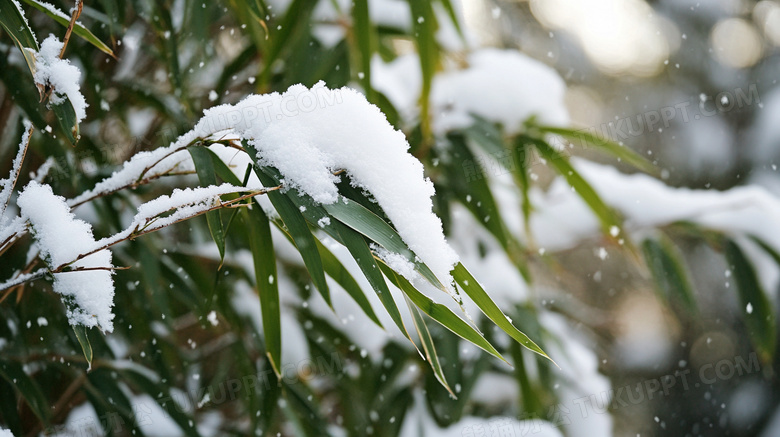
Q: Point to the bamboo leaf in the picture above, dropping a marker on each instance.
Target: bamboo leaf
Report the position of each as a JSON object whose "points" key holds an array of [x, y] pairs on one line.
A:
{"points": [[363, 39], [86, 347], [341, 275], [624, 153], [475, 291], [66, 116], [669, 272], [605, 214], [424, 28], [475, 193], [299, 230], [365, 260], [12, 20], [264, 258], [756, 309], [440, 313], [372, 226], [428, 346], [78, 28], [204, 166], [15, 375]]}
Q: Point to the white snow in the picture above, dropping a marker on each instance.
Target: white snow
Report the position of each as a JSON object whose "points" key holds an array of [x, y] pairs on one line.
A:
{"points": [[61, 238], [212, 318], [307, 134], [6, 433], [61, 75], [503, 86]]}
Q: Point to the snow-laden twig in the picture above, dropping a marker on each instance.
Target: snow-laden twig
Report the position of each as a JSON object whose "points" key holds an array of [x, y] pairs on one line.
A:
{"points": [[182, 204], [22, 278], [7, 185]]}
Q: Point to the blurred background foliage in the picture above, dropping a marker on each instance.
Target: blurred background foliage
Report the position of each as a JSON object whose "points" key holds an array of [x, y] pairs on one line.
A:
{"points": [[612, 310]]}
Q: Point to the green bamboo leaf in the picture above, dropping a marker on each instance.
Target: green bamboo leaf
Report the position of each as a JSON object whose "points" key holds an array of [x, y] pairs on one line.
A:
{"points": [[767, 248], [529, 399], [334, 268], [295, 22], [296, 224], [12, 20], [15, 375], [440, 313], [362, 37], [258, 8], [486, 134], [9, 409], [475, 193], [520, 157], [204, 166], [424, 28], [359, 218], [66, 116], [360, 251], [302, 413], [428, 346], [264, 258], [669, 273], [607, 216], [453, 17], [341, 275], [757, 311], [86, 347], [477, 294], [78, 28], [624, 153]]}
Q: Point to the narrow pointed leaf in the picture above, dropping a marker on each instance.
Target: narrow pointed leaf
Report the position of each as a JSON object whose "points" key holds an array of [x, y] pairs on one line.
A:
{"points": [[362, 40], [605, 214], [299, 230], [86, 347], [13, 22], [66, 116], [15, 375], [365, 260], [264, 258], [475, 291], [341, 275], [424, 28], [204, 166], [669, 273], [475, 193], [756, 309], [441, 313], [372, 226], [427, 344], [78, 28], [624, 153]]}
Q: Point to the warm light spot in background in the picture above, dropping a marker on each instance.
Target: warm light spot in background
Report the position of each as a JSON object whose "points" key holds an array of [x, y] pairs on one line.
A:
{"points": [[619, 36], [736, 43], [766, 14]]}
